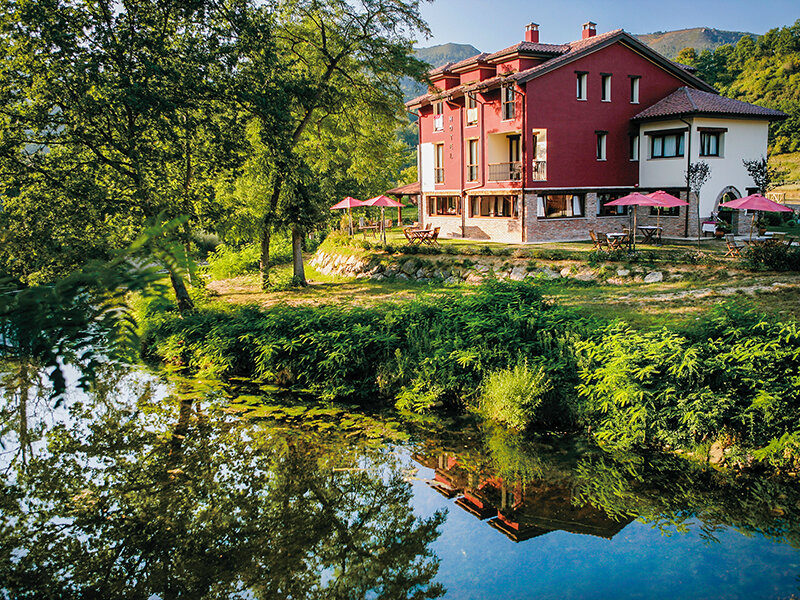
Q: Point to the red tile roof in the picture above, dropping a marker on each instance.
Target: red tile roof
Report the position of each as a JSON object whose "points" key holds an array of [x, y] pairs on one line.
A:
{"points": [[689, 101], [564, 53], [530, 48]]}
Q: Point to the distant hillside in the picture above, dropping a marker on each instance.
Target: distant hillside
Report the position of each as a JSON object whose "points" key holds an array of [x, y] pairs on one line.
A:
{"points": [[669, 43], [436, 56]]}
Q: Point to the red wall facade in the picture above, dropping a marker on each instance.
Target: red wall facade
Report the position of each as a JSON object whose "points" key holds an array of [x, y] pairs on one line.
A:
{"points": [[571, 124]]}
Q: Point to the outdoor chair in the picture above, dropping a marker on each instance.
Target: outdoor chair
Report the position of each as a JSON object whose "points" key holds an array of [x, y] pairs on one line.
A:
{"points": [[433, 238], [407, 233], [599, 243], [734, 247]]}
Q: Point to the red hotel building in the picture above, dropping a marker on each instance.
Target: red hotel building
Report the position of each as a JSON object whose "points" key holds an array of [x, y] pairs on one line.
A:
{"points": [[528, 143]]}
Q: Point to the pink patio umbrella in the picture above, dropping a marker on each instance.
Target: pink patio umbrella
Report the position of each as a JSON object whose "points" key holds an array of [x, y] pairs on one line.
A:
{"points": [[348, 203], [755, 202], [383, 202], [669, 201], [635, 199]]}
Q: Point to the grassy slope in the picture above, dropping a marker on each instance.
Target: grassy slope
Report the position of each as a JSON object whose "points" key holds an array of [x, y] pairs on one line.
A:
{"points": [[676, 301], [791, 164]]}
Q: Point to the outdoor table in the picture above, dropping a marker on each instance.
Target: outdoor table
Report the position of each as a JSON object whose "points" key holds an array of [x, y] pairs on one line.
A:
{"points": [[416, 236], [618, 236], [650, 232], [761, 240], [371, 229]]}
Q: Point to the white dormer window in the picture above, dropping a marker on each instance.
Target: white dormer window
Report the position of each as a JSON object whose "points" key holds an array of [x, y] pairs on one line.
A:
{"points": [[582, 79]]}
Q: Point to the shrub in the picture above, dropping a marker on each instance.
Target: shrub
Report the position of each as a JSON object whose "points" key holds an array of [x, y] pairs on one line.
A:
{"points": [[486, 250], [227, 261], [512, 396], [772, 257]]}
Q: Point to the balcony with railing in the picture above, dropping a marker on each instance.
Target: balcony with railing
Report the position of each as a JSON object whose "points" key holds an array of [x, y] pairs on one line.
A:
{"points": [[507, 171], [539, 170]]}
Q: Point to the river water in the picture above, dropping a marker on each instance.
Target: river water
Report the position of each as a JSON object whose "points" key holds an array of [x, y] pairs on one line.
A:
{"points": [[183, 489]]}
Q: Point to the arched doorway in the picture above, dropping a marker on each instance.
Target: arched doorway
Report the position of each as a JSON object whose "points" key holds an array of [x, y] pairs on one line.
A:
{"points": [[731, 217]]}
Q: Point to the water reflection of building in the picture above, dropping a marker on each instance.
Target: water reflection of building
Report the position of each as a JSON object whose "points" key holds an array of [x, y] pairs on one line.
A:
{"points": [[520, 511]]}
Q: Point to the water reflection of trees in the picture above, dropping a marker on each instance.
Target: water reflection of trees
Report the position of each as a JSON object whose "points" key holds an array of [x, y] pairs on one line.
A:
{"points": [[526, 487], [174, 501]]}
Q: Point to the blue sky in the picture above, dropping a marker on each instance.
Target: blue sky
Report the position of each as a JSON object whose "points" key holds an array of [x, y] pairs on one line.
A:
{"points": [[495, 24]]}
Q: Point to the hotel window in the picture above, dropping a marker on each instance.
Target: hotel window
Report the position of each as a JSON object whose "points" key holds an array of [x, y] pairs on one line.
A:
{"points": [[444, 205], [634, 147], [439, 164], [581, 85], [635, 89], [509, 111], [601, 144], [605, 87], [472, 109], [495, 206], [666, 145], [560, 206], [438, 116], [710, 142], [610, 211], [472, 160]]}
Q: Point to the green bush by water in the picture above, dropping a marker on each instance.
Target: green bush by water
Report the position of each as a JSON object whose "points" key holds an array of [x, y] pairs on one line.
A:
{"points": [[513, 396]]}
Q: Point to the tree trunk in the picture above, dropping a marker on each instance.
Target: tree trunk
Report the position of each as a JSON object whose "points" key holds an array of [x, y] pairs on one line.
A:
{"points": [[264, 263], [298, 273], [24, 381], [181, 295]]}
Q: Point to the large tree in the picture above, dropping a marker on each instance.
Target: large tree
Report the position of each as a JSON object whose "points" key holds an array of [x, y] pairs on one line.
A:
{"points": [[338, 69], [111, 104]]}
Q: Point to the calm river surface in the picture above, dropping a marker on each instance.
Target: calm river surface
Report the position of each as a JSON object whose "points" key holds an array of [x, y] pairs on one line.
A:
{"points": [[183, 490]]}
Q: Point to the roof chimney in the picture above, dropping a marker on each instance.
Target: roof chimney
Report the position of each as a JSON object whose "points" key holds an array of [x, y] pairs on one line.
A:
{"points": [[589, 30], [532, 33]]}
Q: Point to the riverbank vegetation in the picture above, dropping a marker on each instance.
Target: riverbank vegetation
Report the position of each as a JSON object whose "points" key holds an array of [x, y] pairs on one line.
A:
{"points": [[726, 377]]}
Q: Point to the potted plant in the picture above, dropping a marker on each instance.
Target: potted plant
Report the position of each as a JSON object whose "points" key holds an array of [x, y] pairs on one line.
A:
{"points": [[722, 228]]}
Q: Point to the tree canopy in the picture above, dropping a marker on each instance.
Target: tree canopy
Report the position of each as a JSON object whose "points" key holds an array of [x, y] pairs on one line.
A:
{"points": [[764, 72]]}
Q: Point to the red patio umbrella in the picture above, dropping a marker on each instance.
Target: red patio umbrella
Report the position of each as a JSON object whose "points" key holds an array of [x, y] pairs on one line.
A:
{"points": [[383, 202], [635, 199], [755, 202], [348, 203], [669, 201]]}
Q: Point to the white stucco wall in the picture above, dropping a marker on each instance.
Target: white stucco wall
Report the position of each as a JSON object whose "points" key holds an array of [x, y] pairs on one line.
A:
{"points": [[744, 139]]}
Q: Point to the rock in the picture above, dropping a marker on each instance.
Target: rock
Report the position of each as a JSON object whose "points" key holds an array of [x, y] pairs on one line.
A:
{"points": [[716, 454], [566, 272], [391, 271], [409, 266], [423, 280], [623, 272], [474, 278], [654, 277], [482, 269], [378, 277], [585, 276], [518, 273], [548, 273], [420, 274], [452, 279], [402, 277]]}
